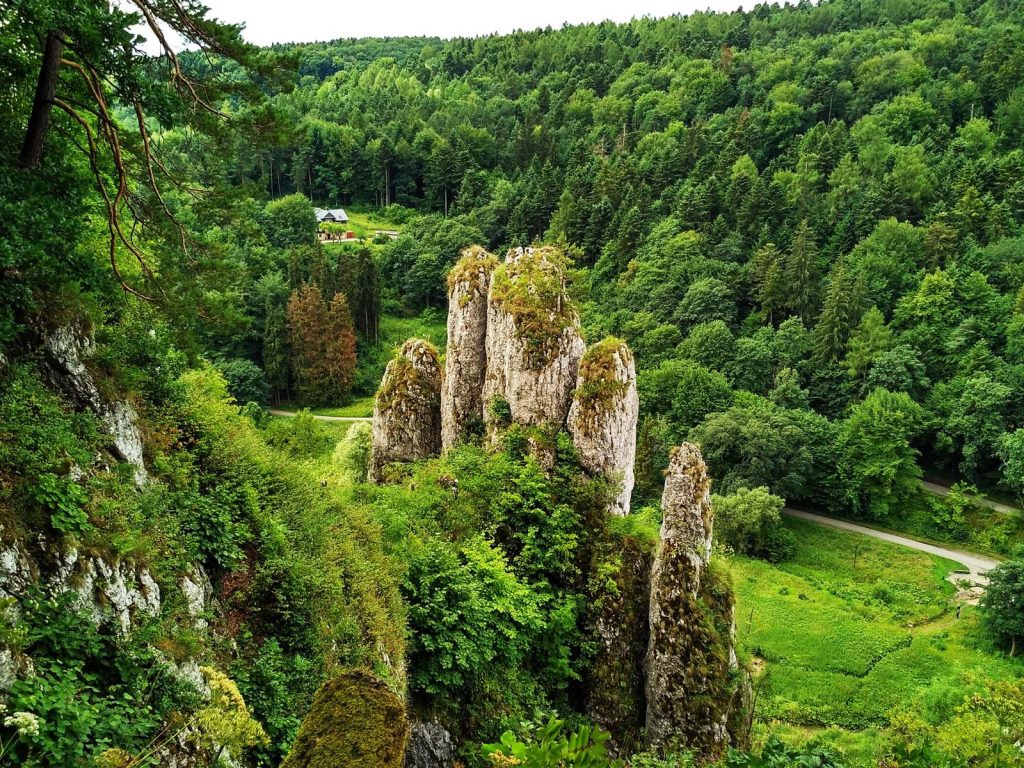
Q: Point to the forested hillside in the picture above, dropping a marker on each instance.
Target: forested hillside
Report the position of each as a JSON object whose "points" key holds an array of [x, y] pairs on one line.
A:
{"points": [[789, 238], [782, 211]]}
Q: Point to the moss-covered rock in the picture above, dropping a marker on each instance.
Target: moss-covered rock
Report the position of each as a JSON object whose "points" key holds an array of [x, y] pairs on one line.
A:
{"points": [[356, 721], [691, 664], [462, 404], [620, 595], [407, 410], [602, 418], [533, 341]]}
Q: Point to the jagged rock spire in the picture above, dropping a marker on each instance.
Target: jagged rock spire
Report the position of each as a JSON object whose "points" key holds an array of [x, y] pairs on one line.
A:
{"points": [[533, 340], [466, 356], [407, 409], [603, 415], [690, 648]]}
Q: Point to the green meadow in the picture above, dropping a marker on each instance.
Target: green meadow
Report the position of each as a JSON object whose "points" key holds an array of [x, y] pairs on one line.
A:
{"points": [[852, 630]]}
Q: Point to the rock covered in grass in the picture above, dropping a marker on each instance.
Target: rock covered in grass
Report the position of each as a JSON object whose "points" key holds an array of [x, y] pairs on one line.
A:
{"points": [[533, 341], [690, 656], [407, 409], [355, 721], [466, 356], [603, 415]]}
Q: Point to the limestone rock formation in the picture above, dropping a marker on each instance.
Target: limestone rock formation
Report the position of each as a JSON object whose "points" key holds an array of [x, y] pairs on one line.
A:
{"points": [[110, 590], [66, 348], [429, 746], [533, 341], [466, 355], [603, 415], [407, 410], [690, 650], [355, 721]]}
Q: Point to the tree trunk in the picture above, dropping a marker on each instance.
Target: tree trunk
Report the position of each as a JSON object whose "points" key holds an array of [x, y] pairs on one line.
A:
{"points": [[42, 105]]}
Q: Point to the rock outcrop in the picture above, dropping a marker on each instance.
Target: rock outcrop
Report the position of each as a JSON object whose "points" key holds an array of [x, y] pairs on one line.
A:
{"points": [[533, 341], [407, 410], [356, 721], [465, 366], [65, 349], [603, 415], [690, 651], [429, 746], [111, 591]]}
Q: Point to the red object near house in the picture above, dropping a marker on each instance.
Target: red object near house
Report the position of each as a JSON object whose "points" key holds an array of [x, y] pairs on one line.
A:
{"points": [[350, 235]]}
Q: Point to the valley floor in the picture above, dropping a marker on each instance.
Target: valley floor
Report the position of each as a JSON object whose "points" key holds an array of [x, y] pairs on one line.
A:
{"points": [[853, 629]]}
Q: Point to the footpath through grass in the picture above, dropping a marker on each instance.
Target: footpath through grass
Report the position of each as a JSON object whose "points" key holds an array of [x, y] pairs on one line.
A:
{"points": [[851, 629]]}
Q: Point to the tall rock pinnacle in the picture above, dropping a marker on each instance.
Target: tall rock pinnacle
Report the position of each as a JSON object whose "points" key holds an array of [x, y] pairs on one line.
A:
{"points": [[466, 356], [603, 415], [533, 340], [690, 651]]}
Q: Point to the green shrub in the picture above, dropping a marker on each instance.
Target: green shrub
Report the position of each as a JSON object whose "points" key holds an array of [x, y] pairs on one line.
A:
{"points": [[246, 381], [750, 521], [550, 744], [352, 454], [300, 436]]}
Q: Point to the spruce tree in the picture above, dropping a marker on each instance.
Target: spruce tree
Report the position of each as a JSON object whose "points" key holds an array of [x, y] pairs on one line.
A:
{"points": [[833, 326], [801, 273]]}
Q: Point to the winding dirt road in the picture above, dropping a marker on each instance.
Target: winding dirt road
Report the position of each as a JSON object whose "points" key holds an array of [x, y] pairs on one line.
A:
{"points": [[977, 565]]}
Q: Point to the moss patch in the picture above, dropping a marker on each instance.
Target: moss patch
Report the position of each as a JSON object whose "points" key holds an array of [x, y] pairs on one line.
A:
{"points": [[412, 377], [472, 269], [355, 721], [533, 291]]}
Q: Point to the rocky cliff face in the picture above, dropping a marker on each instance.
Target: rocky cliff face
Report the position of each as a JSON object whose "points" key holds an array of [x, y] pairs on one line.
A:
{"points": [[603, 415], [429, 746], [466, 356], [111, 591], [690, 651], [533, 340], [65, 351], [407, 410]]}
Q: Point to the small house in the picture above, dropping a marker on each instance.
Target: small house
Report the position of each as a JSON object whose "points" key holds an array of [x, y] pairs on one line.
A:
{"points": [[331, 215]]}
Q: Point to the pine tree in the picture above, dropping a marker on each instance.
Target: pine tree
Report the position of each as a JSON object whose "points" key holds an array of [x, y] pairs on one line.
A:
{"points": [[767, 276], [870, 339], [801, 272], [833, 327], [275, 350], [307, 332], [339, 363]]}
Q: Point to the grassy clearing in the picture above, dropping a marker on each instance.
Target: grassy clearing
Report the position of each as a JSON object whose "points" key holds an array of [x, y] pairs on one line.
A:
{"points": [[852, 628], [360, 408]]}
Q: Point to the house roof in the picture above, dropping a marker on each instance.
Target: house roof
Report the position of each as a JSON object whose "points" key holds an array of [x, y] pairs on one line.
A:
{"points": [[331, 214]]}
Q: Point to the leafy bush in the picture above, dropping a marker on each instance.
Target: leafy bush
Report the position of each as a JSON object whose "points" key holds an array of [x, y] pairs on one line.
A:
{"points": [[750, 521], [776, 754], [300, 436], [246, 380], [352, 454], [550, 744]]}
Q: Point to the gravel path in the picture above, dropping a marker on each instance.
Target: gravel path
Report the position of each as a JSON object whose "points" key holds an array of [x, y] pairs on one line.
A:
{"points": [[278, 412], [978, 565]]}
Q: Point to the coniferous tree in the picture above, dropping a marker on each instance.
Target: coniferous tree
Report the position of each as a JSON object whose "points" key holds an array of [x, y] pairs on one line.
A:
{"points": [[275, 351], [801, 273], [833, 326]]}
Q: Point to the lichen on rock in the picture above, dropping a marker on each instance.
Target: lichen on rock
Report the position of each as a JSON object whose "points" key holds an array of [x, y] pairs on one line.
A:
{"points": [[466, 355], [603, 415], [533, 338], [690, 656], [356, 721], [407, 410], [429, 746]]}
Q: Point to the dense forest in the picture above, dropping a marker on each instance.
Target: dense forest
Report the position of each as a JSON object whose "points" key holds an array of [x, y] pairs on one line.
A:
{"points": [[806, 222]]}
